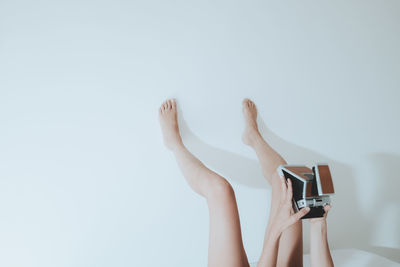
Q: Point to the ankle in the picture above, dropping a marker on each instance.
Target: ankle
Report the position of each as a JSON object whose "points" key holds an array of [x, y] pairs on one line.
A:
{"points": [[254, 138]]}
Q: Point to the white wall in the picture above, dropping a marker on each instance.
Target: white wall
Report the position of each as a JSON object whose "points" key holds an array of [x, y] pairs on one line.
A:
{"points": [[84, 177]]}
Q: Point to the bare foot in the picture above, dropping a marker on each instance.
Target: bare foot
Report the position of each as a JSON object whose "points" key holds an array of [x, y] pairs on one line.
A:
{"points": [[250, 116], [168, 117]]}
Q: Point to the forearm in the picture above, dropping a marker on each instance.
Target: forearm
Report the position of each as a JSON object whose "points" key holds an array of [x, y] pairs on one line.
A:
{"points": [[320, 254], [269, 254]]}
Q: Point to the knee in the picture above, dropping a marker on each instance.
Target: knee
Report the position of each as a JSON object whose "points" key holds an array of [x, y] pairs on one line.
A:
{"points": [[271, 172], [219, 188]]}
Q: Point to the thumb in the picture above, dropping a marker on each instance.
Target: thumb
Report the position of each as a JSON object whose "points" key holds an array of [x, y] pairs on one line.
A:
{"points": [[326, 209], [295, 217], [300, 214]]}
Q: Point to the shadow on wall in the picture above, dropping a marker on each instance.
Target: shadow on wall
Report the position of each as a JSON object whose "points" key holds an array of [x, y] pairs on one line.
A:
{"points": [[348, 226], [386, 204]]}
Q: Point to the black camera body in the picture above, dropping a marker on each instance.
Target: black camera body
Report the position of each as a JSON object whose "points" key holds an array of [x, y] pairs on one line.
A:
{"points": [[311, 187]]}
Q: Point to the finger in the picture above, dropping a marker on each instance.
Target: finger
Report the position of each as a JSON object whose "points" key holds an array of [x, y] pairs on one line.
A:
{"points": [[283, 183], [326, 209], [289, 194], [284, 188]]}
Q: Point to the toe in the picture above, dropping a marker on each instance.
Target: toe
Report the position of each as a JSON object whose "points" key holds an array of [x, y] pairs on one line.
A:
{"points": [[168, 104], [173, 104], [251, 103], [165, 105]]}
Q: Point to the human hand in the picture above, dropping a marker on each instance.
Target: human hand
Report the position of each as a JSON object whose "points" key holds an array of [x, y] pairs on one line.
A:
{"points": [[285, 216], [320, 254], [321, 220]]}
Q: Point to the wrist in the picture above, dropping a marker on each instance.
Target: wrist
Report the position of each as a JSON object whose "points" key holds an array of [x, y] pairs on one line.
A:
{"points": [[318, 226], [318, 222], [274, 234]]}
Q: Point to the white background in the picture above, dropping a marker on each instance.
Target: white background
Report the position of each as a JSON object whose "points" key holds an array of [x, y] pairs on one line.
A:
{"points": [[84, 177]]}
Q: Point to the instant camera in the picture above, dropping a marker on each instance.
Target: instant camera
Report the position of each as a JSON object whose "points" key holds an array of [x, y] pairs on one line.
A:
{"points": [[311, 187]]}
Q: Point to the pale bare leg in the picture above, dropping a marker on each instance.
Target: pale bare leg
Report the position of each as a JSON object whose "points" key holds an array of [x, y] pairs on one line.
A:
{"points": [[290, 251], [225, 240]]}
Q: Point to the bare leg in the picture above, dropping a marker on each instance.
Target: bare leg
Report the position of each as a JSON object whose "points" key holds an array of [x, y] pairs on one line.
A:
{"points": [[225, 241], [290, 251]]}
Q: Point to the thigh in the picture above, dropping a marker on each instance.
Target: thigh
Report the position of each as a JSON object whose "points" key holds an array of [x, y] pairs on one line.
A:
{"points": [[225, 240]]}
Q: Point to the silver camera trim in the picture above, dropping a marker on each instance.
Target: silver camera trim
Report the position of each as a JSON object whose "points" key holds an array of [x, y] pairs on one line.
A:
{"points": [[314, 202]]}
